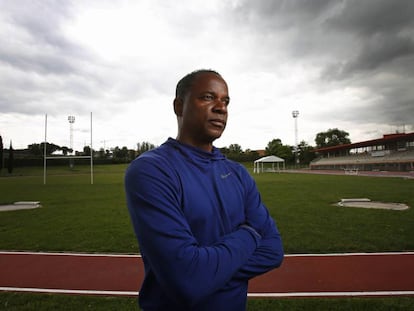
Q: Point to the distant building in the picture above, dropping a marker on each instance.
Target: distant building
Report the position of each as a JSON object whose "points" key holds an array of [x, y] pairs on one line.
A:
{"points": [[261, 152], [392, 152], [17, 153]]}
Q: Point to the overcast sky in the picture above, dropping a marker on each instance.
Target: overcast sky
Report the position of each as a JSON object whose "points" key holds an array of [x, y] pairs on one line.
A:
{"points": [[342, 64]]}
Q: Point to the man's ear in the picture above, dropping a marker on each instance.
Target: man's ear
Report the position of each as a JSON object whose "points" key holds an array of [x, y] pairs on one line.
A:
{"points": [[178, 106]]}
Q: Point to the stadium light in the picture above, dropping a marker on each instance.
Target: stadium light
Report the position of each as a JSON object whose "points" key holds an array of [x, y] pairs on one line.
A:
{"points": [[295, 114], [71, 120]]}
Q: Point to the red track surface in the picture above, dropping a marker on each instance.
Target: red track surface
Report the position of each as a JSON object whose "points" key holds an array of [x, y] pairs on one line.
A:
{"points": [[380, 274]]}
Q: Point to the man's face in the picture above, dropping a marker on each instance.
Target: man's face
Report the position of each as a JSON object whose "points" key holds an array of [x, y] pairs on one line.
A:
{"points": [[203, 112]]}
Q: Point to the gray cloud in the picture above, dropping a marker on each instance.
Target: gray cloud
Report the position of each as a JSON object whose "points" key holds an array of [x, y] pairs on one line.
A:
{"points": [[41, 69], [381, 32], [37, 62], [355, 45], [35, 42], [362, 44], [283, 13], [370, 17]]}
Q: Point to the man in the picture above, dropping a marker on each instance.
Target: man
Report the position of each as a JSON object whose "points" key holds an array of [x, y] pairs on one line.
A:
{"points": [[198, 217]]}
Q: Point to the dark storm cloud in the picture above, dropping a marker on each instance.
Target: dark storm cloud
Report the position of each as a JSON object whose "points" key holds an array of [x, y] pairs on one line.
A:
{"points": [[288, 13], [352, 35], [393, 104], [283, 26], [381, 58], [381, 32], [375, 54], [369, 17], [365, 44]]}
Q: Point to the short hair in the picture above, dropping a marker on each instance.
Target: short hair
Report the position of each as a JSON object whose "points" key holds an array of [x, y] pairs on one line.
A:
{"points": [[184, 85]]}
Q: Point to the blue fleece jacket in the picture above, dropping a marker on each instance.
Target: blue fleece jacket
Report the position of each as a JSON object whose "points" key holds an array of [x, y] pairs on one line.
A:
{"points": [[202, 228]]}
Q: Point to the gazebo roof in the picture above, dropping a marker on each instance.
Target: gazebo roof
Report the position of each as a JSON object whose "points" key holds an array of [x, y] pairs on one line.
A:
{"points": [[270, 159]]}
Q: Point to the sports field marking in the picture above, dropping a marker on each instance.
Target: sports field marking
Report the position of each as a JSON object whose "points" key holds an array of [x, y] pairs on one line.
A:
{"points": [[70, 254], [350, 254], [250, 295], [331, 294], [139, 256], [69, 291]]}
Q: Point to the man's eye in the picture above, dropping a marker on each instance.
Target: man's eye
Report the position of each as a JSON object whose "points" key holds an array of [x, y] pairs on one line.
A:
{"points": [[208, 97]]}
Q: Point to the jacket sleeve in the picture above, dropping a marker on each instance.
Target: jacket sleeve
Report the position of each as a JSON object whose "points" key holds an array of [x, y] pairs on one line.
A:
{"points": [[269, 254], [186, 271]]}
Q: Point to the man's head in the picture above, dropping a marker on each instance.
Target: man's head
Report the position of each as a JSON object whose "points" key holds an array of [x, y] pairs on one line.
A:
{"points": [[184, 85], [201, 107]]}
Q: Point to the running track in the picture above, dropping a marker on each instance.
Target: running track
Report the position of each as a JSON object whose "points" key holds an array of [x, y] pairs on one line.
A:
{"points": [[338, 275]]}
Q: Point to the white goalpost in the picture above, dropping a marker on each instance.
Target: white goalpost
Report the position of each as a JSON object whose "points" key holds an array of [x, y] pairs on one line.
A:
{"points": [[45, 157]]}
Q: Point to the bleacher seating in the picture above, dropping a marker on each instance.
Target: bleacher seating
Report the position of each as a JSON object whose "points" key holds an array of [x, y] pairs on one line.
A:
{"points": [[364, 160]]}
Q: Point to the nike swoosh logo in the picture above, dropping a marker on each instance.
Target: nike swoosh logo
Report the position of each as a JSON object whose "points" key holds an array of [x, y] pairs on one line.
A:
{"points": [[225, 175]]}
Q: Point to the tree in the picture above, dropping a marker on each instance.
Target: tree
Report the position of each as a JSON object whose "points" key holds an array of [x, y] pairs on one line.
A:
{"points": [[144, 146], [86, 150], [236, 153], [131, 154], [275, 147], [104, 154], [35, 149], [10, 160], [66, 150], [332, 137], [1, 153], [235, 149], [306, 154], [251, 155], [121, 154], [38, 149], [101, 153]]}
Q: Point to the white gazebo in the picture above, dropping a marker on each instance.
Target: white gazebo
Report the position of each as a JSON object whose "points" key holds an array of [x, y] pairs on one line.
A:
{"points": [[268, 164]]}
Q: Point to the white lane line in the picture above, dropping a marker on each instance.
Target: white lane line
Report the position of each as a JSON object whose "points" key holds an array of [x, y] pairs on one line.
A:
{"points": [[69, 291], [250, 295], [331, 294], [349, 254], [138, 255], [70, 254]]}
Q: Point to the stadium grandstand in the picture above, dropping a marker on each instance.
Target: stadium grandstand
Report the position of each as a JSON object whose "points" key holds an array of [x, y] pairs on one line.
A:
{"points": [[392, 152]]}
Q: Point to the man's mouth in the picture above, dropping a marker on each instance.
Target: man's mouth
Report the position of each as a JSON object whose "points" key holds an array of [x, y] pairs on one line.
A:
{"points": [[218, 123]]}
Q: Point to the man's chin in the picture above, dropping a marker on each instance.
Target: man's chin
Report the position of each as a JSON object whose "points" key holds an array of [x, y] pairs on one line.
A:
{"points": [[216, 135], [210, 139]]}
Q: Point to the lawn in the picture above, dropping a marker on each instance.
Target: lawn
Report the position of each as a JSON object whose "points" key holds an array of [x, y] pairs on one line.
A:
{"points": [[78, 216], [303, 206]]}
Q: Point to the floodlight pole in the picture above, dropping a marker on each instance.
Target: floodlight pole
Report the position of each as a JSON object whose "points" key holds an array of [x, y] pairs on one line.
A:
{"points": [[295, 114], [91, 149], [71, 120], [44, 152]]}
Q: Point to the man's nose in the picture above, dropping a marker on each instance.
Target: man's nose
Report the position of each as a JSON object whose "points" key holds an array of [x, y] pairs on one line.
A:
{"points": [[220, 106]]}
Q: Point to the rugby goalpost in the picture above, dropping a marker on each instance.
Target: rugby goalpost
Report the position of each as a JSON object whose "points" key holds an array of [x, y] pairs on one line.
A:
{"points": [[45, 157]]}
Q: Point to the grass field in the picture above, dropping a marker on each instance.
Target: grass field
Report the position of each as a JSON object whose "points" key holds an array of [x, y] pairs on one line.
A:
{"points": [[77, 216]]}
